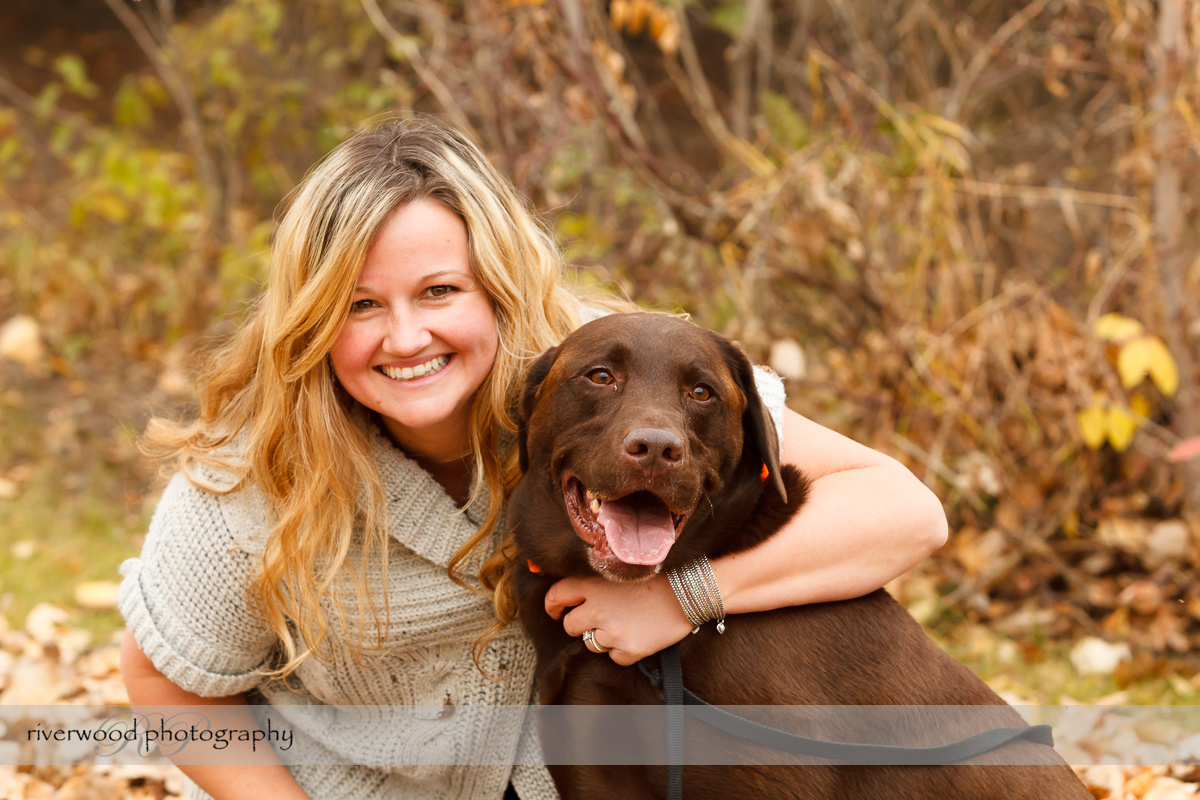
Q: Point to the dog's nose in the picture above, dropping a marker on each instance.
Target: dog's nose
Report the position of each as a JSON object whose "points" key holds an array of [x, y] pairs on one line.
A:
{"points": [[654, 447]]}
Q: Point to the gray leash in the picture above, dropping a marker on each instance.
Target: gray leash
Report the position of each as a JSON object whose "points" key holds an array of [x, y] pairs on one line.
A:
{"points": [[670, 680]]}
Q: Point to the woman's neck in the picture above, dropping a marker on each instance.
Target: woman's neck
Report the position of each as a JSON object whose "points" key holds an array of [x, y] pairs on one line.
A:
{"points": [[447, 457], [454, 476]]}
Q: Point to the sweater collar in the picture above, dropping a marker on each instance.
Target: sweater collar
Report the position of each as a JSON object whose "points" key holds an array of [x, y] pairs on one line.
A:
{"points": [[420, 515]]}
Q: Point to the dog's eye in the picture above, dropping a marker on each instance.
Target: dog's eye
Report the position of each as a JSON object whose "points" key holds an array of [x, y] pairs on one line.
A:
{"points": [[600, 376], [701, 393]]}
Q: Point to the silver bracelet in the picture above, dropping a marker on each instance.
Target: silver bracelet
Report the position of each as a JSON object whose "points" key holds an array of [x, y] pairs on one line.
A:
{"points": [[699, 596]]}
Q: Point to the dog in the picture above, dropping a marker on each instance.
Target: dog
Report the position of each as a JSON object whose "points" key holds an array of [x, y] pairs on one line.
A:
{"points": [[644, 445]]}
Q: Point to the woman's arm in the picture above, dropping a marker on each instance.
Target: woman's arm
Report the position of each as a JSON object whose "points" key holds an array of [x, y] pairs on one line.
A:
{"points": [[866, 521], [269, 778]]}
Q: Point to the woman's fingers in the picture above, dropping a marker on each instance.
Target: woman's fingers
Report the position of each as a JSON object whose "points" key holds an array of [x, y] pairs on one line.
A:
{"points": [[634, 620]]}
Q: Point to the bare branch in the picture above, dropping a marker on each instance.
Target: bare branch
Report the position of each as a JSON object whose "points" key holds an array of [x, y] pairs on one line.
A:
{"points": [[193, 127], [740, 56], [28, 103], [408, 48], [984, 54], [696, 91]]}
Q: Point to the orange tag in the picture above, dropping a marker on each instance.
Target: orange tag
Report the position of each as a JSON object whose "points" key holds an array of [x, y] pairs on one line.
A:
{"points": [[766, 473], [533, 567]]}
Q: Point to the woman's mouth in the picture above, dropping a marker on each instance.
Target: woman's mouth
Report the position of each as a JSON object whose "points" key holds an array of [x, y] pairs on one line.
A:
{"points": [[430, 367]]}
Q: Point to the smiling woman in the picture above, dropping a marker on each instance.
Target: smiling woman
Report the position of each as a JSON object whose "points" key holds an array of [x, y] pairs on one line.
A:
{"points": [[420, 338], [340, 492]]}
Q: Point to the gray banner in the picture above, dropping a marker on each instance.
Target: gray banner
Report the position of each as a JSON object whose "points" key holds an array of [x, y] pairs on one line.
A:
{"points": [[383, 736]]}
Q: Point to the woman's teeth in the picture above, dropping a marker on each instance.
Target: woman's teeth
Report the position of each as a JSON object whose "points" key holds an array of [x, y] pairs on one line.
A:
{"points": [[419, 371]]}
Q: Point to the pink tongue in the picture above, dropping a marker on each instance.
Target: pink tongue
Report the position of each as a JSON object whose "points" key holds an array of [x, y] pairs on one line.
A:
{"points": [[638, 531]]}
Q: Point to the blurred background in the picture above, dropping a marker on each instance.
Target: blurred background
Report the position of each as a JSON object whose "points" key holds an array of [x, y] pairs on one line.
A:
{"points": [[965, 231]]}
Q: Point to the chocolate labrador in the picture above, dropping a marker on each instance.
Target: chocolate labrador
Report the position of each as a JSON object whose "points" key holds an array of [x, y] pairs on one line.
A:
{"points": [[645, 445]]}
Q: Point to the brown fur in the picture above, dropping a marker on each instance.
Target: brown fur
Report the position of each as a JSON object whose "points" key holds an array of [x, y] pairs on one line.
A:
{"points": [[866, 651]]}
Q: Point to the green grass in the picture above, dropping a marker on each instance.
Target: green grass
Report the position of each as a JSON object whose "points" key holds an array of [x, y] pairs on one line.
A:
{"points": [[83, 536], [75, 518], [1040, 672]]}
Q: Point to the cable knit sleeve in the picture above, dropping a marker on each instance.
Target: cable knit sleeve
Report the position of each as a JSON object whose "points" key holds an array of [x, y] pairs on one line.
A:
{"points": [[185, 598]]}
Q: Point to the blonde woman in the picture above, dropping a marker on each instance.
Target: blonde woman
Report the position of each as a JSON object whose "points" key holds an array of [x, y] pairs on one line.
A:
{"points": [[333, 534]]}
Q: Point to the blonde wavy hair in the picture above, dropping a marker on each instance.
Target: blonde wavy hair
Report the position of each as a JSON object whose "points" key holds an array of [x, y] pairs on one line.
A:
{"points": [[271, 387]]}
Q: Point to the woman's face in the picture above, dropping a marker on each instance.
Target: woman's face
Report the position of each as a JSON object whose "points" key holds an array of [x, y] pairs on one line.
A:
{"points": [[421, 335]]}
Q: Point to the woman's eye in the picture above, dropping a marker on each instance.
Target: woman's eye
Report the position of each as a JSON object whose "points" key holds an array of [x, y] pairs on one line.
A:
{"points": [[361, 305], [701, 393], [600, 376], [439, 291]]}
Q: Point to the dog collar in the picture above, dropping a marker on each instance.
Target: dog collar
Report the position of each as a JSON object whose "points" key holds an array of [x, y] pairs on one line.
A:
{"points": [[532, 566], [766, 473]]}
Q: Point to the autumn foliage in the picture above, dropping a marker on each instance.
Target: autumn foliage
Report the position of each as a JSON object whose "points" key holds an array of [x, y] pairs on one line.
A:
{"points": [[965, 233]]}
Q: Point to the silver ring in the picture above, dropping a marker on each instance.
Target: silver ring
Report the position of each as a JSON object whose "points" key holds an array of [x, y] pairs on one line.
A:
{"points": [[589, 641]]}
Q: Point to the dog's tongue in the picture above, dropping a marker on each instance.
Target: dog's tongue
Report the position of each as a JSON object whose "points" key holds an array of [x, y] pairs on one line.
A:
{"points": [[639, 528]]}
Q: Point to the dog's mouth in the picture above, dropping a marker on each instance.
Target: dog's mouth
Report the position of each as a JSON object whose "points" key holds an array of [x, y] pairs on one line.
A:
{"points": [[637, 528]]}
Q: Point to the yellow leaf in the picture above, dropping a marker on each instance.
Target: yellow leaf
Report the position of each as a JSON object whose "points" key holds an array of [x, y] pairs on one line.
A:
{"points": [[1185, 111], [618, 11], [1070, 524], [1117, 328], [1147, 355], [745, 152], [1121, 427], [97, 595], [1092, 424], [665, 31], [1140, 405], [1163, 370]]}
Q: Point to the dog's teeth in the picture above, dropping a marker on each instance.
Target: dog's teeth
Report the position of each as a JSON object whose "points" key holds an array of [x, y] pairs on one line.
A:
{"points": [[595, 506], [589, 494]]}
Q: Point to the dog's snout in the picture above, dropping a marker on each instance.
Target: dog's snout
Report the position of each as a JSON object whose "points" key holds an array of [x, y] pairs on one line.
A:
{"points": [[654, 448]]}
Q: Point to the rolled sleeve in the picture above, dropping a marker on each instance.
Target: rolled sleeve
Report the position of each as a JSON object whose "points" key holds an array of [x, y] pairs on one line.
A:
{"points": [[185, 598]]}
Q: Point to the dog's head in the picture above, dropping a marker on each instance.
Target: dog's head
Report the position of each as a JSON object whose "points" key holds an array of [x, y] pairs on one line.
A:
{"points": [[642, 430]]}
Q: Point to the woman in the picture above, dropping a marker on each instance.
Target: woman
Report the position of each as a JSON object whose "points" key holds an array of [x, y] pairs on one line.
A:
{"points": [[334, 534]]}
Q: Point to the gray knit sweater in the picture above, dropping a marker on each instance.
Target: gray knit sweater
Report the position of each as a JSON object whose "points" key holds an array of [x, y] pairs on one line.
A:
{"points": [[185, 601]]}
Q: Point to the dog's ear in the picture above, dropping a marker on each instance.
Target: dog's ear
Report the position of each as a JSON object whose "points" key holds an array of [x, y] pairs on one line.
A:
{"points": [[756, 421], [533, 382]]}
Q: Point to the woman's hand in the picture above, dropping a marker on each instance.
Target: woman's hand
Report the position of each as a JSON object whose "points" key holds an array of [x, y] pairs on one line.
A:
{"points": [[635, 620]]}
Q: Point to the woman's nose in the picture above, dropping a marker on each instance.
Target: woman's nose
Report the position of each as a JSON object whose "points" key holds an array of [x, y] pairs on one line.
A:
{"points": [[407, 334]]}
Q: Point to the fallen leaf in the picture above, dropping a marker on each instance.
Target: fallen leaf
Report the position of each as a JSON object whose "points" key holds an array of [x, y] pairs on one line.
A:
{"points": [[21, 340], [46, 623], [1169, 541], [787, 358], [97, 595], [1127, 534], [1094, 656], [1143, 596]]}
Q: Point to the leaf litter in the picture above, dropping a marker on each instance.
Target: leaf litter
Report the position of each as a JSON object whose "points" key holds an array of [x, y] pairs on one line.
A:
{"points": [[47, 662]]}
